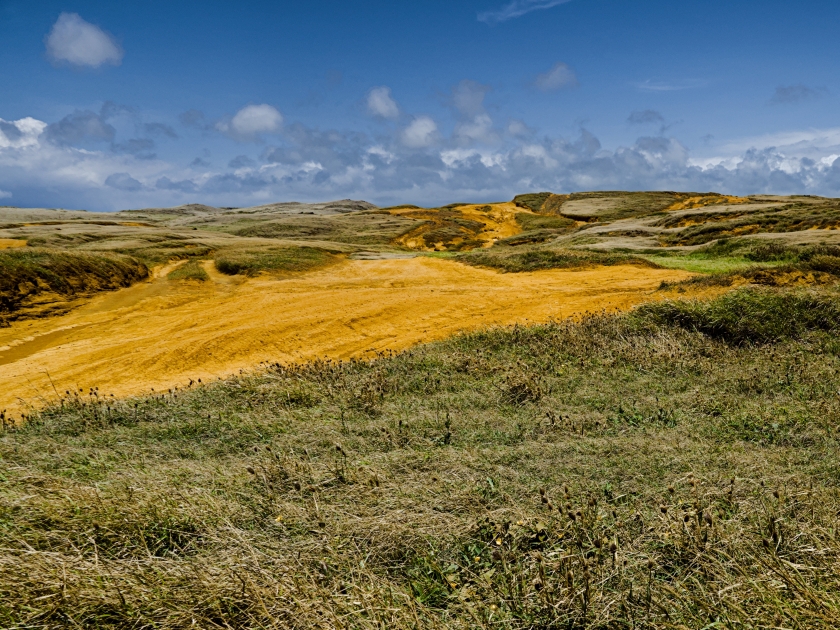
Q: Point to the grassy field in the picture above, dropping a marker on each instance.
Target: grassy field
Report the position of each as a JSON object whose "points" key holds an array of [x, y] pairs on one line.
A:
{"points": [[676, 466], [673, 467]]}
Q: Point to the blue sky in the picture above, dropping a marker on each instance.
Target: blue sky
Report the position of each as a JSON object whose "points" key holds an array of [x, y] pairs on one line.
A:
{"points": [[124, 105]]}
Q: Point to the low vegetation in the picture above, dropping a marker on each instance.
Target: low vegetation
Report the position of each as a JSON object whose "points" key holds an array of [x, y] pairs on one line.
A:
{"points": [[669, 468], [250, 262], [797, 216], [533, 259], [190, 270], [35, 281]]}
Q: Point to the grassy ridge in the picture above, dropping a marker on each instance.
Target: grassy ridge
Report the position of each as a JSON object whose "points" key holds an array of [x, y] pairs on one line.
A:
{"points": [[517, 260], [674, 467], [27, 274]]}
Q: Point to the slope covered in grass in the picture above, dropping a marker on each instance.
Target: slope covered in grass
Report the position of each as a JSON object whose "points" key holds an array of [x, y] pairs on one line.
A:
{"points": [[32, 280], [674, 467]]}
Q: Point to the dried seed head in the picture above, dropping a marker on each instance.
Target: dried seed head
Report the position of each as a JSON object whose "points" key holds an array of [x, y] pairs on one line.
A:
{"points": [[251, 470], [542, 492], [663, 509], [671, 489], [297, 486], [613, 547], [776, 493]]}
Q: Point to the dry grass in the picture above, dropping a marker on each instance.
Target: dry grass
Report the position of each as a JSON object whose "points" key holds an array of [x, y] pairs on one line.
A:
{"points": [[617, 472]]}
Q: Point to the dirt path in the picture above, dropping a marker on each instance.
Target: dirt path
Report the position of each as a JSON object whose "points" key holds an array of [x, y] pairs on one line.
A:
{"points": [[161, 333]]}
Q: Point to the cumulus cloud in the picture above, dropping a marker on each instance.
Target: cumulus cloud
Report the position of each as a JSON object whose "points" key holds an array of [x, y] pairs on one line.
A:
{"points": [[251, 122], [645, 117], [468, 97], [560, 76], [476, 130], [77, 42], [19, 134], [421, 132], [381, 104], [515, 9], [80, 127], [796, 94], [417, 163], [5, 194], [123, 181]]}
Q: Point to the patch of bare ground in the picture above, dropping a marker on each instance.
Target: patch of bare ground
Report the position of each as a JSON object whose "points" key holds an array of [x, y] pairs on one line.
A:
{"points": [[163, 333]]}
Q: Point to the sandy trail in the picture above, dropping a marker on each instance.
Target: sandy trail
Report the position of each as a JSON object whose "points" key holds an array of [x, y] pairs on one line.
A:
{"points": [[161, 333]]}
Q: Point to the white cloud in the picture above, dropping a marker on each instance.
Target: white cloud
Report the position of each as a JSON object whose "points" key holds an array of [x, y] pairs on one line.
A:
{"points": [[415, 164], [516, 9], [4, 194], [20, 133], [255, 119], [380, 103], [421, 132], [560, 76], [80, 43], [468, 97], [479, 129]]}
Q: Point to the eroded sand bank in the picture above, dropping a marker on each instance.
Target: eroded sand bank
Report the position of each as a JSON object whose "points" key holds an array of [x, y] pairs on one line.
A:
{"points": [[161, 333]]}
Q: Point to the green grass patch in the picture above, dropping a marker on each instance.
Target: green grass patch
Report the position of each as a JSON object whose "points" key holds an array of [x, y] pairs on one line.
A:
{"points": [[704, 264], [191, 270], [272, 260], [516, 260]]}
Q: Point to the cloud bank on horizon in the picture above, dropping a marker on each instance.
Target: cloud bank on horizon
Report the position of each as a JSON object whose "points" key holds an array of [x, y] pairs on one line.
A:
{"points": [[471, 140]]}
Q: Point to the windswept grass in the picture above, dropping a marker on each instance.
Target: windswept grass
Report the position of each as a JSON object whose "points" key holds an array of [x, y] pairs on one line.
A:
{"points": [[272, 260], [672, 468]]}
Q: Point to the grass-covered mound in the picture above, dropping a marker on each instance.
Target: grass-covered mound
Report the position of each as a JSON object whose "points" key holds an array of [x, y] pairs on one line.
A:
{"points": [[32, 279], [273, 260], [675, 467], [518, 260], [190, 270]]}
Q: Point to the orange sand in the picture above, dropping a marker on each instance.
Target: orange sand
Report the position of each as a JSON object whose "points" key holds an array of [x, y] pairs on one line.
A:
{"points": [[499, 220], [162, 332], [8, 243]]}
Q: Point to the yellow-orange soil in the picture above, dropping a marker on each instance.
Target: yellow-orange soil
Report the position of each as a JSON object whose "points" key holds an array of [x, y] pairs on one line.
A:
{"points": [[8, 243], [707, 200], [498, 220], [161, 333]]}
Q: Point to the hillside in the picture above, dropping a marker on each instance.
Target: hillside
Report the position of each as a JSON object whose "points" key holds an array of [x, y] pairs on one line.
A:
{"points": [[671, 468]]}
